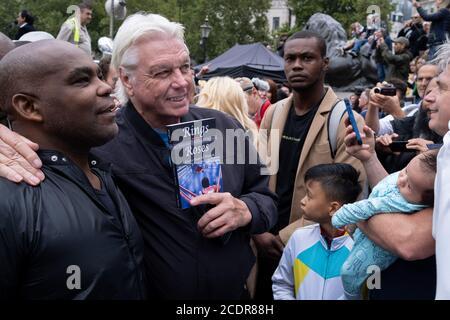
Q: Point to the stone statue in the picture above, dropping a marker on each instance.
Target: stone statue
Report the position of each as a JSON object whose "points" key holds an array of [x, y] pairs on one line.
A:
{"points": [[345, 72]]}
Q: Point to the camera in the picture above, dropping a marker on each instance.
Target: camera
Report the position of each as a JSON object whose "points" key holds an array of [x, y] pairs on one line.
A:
{"points": [[386, 91]]}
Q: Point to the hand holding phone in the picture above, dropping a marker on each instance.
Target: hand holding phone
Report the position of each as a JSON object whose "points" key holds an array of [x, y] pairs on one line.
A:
{"points": [[351, 117], [400, 146], [434, 146]]}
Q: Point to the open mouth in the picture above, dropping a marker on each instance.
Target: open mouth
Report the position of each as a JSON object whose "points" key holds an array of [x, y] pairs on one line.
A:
{"points": [[113, 108], [177, 98]]}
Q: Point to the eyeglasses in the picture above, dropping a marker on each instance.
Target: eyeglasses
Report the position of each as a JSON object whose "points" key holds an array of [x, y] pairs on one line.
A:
{"points": [[248, 88]]}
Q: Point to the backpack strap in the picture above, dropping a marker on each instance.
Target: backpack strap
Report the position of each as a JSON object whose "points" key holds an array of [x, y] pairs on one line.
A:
{"points": [[336, 114]]}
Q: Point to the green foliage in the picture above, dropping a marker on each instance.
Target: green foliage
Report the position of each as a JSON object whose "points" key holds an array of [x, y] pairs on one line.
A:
{"points": [[232, 21], [283, 31], [50, 14], [344, 11], [8, 12]]}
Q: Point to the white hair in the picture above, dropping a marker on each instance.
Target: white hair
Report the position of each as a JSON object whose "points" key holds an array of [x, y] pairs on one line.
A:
{"points": [[444, 4], [443, 56], [132, 29]]}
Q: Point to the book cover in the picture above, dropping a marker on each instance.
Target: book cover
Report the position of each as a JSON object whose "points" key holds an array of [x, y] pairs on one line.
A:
{"points": [[197, 170]]}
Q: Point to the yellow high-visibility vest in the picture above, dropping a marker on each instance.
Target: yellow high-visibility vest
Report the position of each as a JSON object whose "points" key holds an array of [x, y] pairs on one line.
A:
{"points": [[76, 29]]}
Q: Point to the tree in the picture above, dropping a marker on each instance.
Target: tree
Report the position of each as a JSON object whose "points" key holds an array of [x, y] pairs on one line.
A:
{"points": [[232, 21], [8, 13], [344, 11], [50, 14]]}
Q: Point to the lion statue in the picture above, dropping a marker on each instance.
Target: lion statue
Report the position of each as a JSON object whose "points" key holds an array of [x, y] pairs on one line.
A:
{"points": [[345, 72]]}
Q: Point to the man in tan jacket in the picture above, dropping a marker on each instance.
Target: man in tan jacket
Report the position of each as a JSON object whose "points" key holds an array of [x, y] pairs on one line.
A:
{"points": [[293, 138]]}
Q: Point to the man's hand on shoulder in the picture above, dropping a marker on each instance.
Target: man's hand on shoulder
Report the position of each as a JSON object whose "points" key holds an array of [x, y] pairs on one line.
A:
{"points": [[18, 158]]}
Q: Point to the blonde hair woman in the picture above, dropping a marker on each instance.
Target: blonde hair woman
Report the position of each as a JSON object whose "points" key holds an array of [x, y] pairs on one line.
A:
{"points": [[226, 95]]}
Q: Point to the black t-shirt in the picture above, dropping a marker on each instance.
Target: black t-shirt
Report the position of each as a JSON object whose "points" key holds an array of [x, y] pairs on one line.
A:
{"points": [[407, 280], [292, 140]]}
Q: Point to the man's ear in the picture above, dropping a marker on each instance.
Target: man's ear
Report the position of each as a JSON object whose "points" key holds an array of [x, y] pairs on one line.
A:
{"points": [[126, 81], [334, 206], [326, 63], [26, 107]]}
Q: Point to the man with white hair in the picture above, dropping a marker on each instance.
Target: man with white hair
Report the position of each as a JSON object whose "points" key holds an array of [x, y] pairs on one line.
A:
{"points": [[186, 254]]}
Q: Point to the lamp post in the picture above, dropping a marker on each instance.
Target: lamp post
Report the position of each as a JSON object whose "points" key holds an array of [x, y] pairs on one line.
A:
{"points": [[205, 29], [111, 21], [116, 9]]}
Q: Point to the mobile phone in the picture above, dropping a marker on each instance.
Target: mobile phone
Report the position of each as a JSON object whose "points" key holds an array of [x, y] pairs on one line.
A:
{"points": [[433, 146], [400, 146], [351, 117], [386, 91]]}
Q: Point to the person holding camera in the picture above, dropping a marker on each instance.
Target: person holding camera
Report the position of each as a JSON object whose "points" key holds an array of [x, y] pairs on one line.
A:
{"points": [[392, 105], [398, 63]]}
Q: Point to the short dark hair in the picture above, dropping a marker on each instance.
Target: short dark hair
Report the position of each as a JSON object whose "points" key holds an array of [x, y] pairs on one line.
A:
{"points": [[338, 180], [84, 6], [305, 34], [272, 90], [429, 163], [27, 16]]}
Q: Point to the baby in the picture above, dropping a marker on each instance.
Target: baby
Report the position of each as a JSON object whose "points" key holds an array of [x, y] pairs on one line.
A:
{"points": [[409, 190]]}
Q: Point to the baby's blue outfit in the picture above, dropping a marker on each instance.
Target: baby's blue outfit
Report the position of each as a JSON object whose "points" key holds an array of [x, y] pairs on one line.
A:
{"points": [[385, 197]]}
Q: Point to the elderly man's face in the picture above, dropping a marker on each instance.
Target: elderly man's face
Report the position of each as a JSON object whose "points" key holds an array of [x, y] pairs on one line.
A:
{"points": [[440, 112], [162, 83]]}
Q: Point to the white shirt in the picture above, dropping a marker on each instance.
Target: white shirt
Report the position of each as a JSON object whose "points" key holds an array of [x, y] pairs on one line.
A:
{"points": [[385, 124], [441, 220]]}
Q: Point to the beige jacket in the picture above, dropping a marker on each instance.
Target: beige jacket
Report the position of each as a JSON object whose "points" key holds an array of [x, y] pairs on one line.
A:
{"points": [[316, 150]]}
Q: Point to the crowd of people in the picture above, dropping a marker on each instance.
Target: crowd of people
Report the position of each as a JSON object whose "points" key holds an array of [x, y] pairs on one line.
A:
{"points": [[89, 206]]}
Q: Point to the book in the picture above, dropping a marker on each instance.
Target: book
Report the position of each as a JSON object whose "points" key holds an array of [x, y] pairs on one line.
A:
{"points": [[197, 169]]}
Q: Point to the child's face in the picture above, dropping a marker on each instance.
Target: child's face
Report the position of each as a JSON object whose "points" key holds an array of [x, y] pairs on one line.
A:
{"points": [[315, 205], [413, 181]]}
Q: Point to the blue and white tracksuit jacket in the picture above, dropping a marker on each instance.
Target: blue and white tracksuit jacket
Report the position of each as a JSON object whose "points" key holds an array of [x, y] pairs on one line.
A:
{"points": [[309, 269]]}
